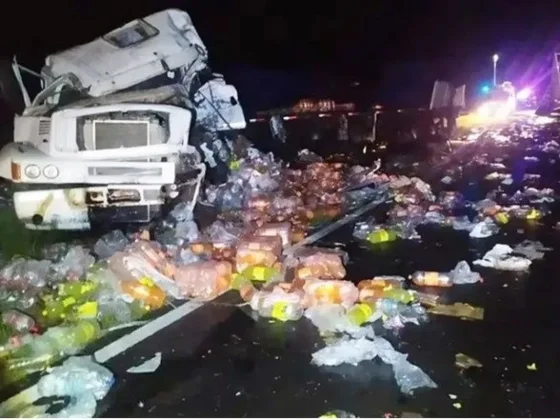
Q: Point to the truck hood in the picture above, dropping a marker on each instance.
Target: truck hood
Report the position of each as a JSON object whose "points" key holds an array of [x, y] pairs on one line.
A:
{"points": [[105, 68]]}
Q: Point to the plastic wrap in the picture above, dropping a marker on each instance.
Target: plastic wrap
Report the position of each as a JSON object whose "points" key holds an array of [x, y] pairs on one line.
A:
{"points": [[283, 230], [187, 230], [223, 232], [131, 268], [204, 280], [74, 265], [500, 258], [341, 292], [462, 274], [153, 254], [20, 274], [332, 318], [81, 379], [277, 304], [317, 263], [110, 243], [258, 251]]}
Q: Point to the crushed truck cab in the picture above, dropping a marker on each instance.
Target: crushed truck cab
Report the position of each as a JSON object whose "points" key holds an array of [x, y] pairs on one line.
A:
{"points": [[111, 163], [124, 125]]}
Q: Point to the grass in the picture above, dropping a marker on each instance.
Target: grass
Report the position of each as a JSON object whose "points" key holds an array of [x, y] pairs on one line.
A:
{"points": [[16, 240]]}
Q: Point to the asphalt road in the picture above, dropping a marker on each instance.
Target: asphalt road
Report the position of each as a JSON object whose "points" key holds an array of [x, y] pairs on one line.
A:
{"points": [[220, 361]]}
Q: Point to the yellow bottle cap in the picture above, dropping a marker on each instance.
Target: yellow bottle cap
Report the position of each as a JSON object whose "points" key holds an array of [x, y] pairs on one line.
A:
{"points": [[146, 281], [69, 301], [88, 310], [279, 311]]}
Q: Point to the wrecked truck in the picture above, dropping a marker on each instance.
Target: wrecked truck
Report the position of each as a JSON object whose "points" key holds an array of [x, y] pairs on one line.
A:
{"points": [[123, 126]]}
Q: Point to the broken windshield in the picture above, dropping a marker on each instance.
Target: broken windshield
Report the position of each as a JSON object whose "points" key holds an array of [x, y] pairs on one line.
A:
{"points": [[61, 92]]}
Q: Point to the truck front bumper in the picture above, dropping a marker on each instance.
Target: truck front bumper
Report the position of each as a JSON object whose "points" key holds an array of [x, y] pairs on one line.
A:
{"points": [[76, 208]]}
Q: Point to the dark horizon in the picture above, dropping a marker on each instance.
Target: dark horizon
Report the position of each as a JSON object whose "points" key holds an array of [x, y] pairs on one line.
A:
{"points": [[394, 49]]}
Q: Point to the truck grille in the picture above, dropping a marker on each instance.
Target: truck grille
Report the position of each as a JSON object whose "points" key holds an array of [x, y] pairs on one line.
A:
{"points": [[120, 133]]}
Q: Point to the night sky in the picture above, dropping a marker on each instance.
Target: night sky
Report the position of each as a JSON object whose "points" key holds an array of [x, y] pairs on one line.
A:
{"points": [[276, 51]]}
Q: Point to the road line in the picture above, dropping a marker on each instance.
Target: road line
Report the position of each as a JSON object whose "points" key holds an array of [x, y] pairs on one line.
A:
{"points": [[124, 343], [336, 225]]}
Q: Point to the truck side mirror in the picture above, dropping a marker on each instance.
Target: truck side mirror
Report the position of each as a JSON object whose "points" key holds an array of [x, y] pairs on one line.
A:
{"points": [[10, 92]]}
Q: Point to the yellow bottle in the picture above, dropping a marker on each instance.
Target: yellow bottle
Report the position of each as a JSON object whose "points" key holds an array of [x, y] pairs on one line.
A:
{"points": [[360, 313], [381, 235], [259, 273]]}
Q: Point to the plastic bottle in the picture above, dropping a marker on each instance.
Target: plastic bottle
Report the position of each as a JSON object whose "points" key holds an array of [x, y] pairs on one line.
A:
{"points": [[431, 279], [259, 273], [19, 321], [381, 235], [50, 347], [54, 310], [277, 305], [399, 295], [282, 311], [338, 414], [77, 289], [361, 313], [145, 291], [390, 308], [501, 217]]}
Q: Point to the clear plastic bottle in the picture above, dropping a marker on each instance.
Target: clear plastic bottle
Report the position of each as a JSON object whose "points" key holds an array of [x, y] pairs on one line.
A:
{"points": [[400, 295], [145, 291], [46, 349], [282, 311], [277, 305]]}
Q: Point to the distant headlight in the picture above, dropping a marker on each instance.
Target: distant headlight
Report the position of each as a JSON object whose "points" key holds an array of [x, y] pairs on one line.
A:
{"points": [[32, 171], [51, 171], [484, 110]]}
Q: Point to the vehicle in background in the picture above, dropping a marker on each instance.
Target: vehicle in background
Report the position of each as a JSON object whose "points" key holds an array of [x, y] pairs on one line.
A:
{"points": [[549, 105], [501, 103], [327, 128], [123, 126], [322, 126]]}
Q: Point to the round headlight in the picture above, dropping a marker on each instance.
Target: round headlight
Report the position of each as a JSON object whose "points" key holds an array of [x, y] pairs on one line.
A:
{"points": [[50, 171], [32, 171]]}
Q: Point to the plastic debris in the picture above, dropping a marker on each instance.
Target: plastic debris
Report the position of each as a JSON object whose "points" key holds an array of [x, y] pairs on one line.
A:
{"points": [[533, 250], [465, 362], [462, 274], [337, 414], [110, 243], [333, 318], [149, 366], [458, 310], [349, 351], [532, 366], [484, 229], [81, 379], [353, 351], [500, 258]]}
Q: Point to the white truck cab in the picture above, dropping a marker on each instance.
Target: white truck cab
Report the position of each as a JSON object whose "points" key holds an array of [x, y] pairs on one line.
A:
{"points": [[110, 137]]}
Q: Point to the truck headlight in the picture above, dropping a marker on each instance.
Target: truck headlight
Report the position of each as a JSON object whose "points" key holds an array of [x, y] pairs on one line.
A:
{"points": [[51, 171], [32, 171]]}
